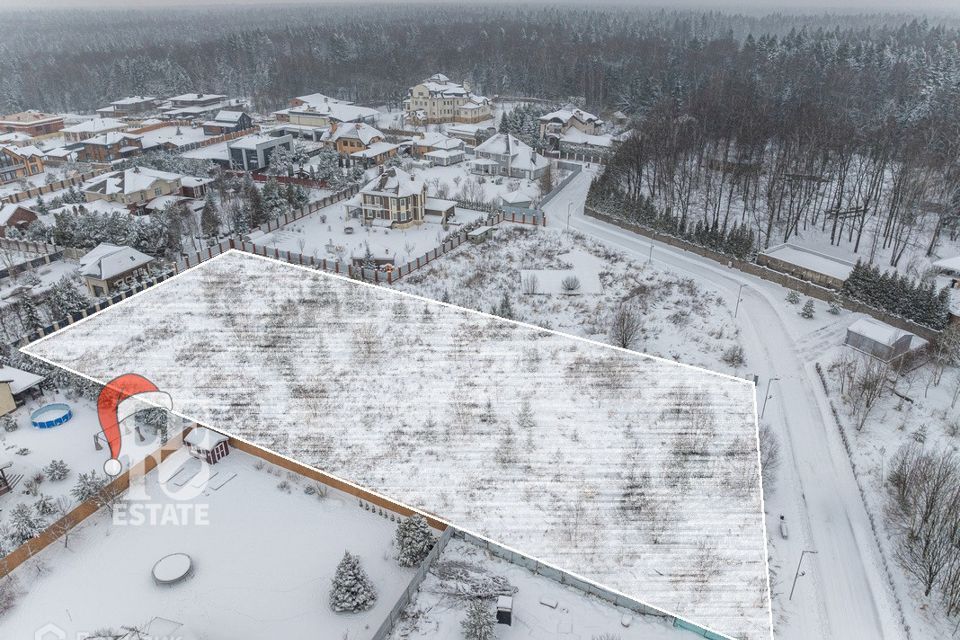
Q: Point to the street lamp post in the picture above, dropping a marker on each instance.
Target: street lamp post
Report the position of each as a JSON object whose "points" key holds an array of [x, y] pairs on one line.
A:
{"points": [[797, 574], [766, 396], [739, 291], [569, 204]]}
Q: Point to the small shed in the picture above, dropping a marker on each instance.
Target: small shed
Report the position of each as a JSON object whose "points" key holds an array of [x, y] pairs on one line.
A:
{"points": [[446, 209], [505, 610], [878, 340], [207, 444], [515, 199], [480, 234], [807, 264], [15, 386]]}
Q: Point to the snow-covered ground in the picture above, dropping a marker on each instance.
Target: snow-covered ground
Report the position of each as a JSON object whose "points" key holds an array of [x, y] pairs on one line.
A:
{"points": [[464, 570], [323, 234], [36, 280], [680, 319], [843, 592], [31, 449], [263, 550], [458, 182], [635, 472]]}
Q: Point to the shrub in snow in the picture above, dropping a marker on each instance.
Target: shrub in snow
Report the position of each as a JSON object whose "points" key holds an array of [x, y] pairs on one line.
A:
{"points": [[57, 470], [478, 625], [24, 524], [836, 304], [89, 485], [570, 284], [9, 424], [793, 297], [45, 506], [414, 541], [352, 589], [32, 485], [734, 357], [808, 309]]}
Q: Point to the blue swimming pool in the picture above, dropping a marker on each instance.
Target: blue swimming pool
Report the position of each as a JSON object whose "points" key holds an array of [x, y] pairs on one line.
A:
{"points": [[51, 415]]}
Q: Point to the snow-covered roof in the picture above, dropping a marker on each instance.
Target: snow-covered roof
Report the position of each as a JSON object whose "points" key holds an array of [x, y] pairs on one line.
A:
{"points": [[122, 102], [193, 182], [515, 197], [566, 114], [394, 182], [129, 181], [437, 141], [877, 331], [439, 204], [96, 125], [204, 438], [254, 140], [321, 98], [18, 379], [26, 151], [227, 116], [162, 202], [111, 138], [337, 111], [14, 137], [949, 265], [109, 260], [575, 136], [196, 97], [7, 210], [357, 131], [522, 155], [103, 207], [374, 150], [175, 135], [811, 260]]}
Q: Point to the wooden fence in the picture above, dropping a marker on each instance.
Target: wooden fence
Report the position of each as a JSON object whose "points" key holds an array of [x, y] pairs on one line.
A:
{"points": [[801, 286], [84, 510]]}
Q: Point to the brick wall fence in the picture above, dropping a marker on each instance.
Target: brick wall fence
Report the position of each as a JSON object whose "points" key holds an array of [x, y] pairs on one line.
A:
{"points": [[802, 286], [84, 510], [42, 259]]}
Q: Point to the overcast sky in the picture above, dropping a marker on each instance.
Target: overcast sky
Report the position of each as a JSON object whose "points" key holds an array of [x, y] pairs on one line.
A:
{"points": [[749, 5]]}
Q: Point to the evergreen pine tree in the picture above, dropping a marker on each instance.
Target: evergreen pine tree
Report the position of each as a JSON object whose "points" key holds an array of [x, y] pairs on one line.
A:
{"points": [[808, 309], [479, 623], [24, 524], [209, 218], [29, 316], [414, 540], [352, 589]]}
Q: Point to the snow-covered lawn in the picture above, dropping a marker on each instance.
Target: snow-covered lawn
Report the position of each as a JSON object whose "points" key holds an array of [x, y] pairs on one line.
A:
{"points": [[31, 449], [464, 569], [635, 472], [37, 279], [458, 182], [680, 319], [263, 563], [323, 234]]}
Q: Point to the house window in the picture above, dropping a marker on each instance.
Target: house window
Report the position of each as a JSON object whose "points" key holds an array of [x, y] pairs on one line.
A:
{"points": [[157, 191]]}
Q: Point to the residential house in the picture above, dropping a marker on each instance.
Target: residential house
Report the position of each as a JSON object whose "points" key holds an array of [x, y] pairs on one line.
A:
{"points": [[15, 216], [32, 123], [109, 147], [109, 266], [130, 106], [553, 125], [191, 106], [133, 188], [949, 269], [19, 162], [195, 188], [325, 115], [395, 198], [470, 133], [877, 339], [315, 99], [227, 121], [361, 143], [439, 149], [91, 128], [437, 100], [505, 155], [252, 153]]}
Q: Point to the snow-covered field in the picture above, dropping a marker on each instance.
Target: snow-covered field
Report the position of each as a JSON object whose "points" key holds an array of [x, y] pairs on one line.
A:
{"points": [[635, 472], [322, 234], [680, 319], [263, 551], [463, 570], [30, 450]]}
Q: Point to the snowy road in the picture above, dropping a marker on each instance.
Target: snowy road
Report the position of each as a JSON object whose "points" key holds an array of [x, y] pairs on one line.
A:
{"points": [[844, 592]]}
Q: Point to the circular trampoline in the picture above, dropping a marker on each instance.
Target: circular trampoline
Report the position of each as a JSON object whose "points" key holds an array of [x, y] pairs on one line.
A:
{"points": [[51, 415], [172, 569]]}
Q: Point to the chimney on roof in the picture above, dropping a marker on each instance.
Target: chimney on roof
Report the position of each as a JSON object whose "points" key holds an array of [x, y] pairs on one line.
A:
{"points": [[199, 95]]}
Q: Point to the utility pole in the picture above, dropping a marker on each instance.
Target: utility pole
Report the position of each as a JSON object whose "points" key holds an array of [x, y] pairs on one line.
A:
{"points": [[766, 396], [650, 258], [797, 574], [569, 204], [739, 291]]}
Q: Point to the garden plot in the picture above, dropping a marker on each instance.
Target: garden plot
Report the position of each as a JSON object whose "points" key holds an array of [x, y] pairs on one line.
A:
{"points": [[263, 563], [464, 571], [323, 234], [678, 318], [31, 450], [635, 472]]}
